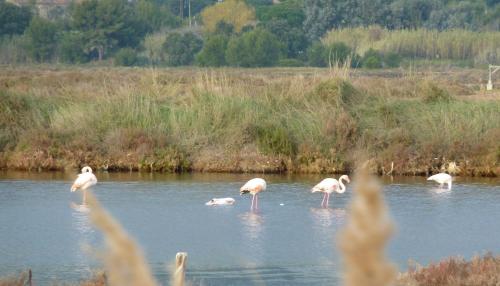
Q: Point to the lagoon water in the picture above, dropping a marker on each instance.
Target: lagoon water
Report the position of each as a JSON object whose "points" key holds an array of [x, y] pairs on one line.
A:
{"points": [[42, 227]]}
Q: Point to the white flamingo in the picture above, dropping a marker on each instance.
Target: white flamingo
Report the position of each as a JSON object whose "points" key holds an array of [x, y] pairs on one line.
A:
{"points": [[220, 201], [330, 185], [84, 181], [441, 178], [254, 187]]}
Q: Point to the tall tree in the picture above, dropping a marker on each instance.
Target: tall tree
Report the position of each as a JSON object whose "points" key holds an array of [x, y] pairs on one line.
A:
{"points": [[180, 49], [13, 19], [108, 24], [42, 35]]}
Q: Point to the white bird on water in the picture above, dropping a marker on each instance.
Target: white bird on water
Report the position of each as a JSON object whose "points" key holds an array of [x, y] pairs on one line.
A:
{"points": [[220, 201], [441, 178], [254, 187], [330, 185], [84, 181]]}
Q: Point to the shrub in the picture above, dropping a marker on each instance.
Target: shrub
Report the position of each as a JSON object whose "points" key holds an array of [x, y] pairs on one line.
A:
{"points": [[316, 55], [338, 92], [321, 55], [180, 49], [213, 52], [257, 48], [125, 57], [372, 59], [432, 93]]}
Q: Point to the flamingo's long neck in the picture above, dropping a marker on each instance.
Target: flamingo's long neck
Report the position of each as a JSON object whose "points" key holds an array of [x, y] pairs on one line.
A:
{"points": [[342, 186]]}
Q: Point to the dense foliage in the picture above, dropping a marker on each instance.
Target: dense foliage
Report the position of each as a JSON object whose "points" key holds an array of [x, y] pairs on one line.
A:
{"points": [[254, 32], [13, 19]]}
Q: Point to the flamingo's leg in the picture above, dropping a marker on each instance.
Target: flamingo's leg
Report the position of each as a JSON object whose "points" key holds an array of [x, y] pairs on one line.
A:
{"points": [[256, 201], [323, 201], [253, 200], [84, 197], [327, 199]]}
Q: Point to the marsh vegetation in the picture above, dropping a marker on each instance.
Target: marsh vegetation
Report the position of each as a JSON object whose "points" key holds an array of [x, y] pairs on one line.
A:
{"points": [[230, 120]]}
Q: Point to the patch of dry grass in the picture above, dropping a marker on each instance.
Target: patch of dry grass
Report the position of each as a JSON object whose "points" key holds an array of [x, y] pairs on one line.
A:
{"points": [[453, 271], [22, 279]]}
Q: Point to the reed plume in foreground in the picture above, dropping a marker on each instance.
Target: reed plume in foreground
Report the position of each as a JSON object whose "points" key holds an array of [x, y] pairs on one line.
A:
{"points": [[363, 239], [179, 270], [124, 262]]}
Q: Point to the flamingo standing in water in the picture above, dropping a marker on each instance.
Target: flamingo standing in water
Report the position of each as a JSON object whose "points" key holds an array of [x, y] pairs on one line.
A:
{"points": [[254, 187], [330, 185], [84, 181], [441, 178]]}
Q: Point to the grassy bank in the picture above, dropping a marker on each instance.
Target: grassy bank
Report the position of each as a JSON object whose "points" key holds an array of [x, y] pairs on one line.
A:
{"points": [[233, 120]]}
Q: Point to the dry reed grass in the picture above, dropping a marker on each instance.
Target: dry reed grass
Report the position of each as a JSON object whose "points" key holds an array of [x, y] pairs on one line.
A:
{"points": [[479, 271], [123, 260], [481, 47], [22, 279], [362, 241]]}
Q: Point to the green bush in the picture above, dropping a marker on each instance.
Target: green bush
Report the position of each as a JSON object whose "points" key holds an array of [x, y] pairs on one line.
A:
{"points": [[125, 57], [338, 92], [316, 55], [213, 52], [320, 55], [257, 48], [372, 59], [432, 93], [180, 49]]}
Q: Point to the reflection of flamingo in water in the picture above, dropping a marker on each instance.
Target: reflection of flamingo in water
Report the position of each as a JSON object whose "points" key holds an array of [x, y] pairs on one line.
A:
{"points": [[441, 178], [84, 181], [254, 187], [330, 185]]}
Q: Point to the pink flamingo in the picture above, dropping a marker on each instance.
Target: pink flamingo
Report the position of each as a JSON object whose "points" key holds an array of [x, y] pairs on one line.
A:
{"points": [[254, 187], [330, 185]]}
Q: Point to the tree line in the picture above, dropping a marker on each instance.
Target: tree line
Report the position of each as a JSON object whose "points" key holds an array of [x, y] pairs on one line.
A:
{"points": [[252, 33]]}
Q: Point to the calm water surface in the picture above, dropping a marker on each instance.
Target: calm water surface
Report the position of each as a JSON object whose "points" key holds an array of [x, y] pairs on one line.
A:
{"points": [[280, 245]]}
